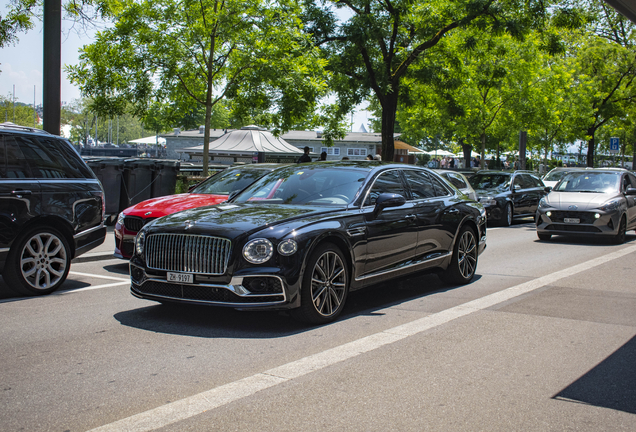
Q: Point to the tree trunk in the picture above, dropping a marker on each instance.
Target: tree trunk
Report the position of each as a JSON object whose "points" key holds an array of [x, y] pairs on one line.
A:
{"points": [[389, 109], [483, 150], [206, 137], [468, 150], [590, 147]]}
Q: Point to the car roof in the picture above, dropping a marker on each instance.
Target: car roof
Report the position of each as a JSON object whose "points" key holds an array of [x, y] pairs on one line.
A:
{"points": [[12, 127]]}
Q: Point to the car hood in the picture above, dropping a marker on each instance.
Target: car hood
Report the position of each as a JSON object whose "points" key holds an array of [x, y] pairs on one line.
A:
{"points": [[173, 203], [232, 220], [490, 192], [583, 200]]}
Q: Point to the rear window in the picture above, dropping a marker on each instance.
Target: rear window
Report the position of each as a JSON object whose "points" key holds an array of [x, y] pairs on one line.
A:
{"points": [[51, 157]]}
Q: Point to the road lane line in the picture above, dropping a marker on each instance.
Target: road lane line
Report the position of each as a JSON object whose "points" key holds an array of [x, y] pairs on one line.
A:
{"points": [[99, 276], [225, 394], [90, 288]]}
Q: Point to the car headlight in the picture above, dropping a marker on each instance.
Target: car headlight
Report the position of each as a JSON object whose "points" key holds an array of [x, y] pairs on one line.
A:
{"points": [[258, 251], [120, 218], [139, 242], [287, 247], [488, 201], [610, 205], [543, 203]]}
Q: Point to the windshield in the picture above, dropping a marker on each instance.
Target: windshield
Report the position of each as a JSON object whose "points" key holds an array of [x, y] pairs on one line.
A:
{"points": [[489, 181], [306, 184], [228, 181], [595, 182], [555, 175]]}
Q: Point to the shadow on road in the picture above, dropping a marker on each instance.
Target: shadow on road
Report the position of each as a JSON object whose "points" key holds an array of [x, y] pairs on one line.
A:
{"points": [[221, 322], [611, 384]]}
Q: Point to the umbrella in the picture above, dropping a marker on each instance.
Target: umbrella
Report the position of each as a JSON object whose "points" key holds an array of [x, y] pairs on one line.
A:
{"points": [[441, 153]]}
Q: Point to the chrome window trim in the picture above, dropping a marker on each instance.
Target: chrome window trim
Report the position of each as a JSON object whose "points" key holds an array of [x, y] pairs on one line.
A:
{"points": [[366, 195]]}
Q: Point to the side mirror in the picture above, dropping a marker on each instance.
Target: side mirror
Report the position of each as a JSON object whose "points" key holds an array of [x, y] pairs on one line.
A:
{"points": [[547, 189], [630, 191], [516, 187], [386, 200]]}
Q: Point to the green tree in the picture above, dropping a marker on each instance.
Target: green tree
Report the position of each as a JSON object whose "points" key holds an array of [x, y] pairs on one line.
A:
{"points": [[373, 52], [18, 113], [197, 53]]}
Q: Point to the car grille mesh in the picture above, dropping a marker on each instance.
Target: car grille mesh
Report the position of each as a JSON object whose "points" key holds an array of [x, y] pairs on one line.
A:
{"points": [[585, 217], [134, 223], [187, 253]]}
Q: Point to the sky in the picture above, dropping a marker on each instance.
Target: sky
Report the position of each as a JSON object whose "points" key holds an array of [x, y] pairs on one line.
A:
{"points": [[21, 65]]}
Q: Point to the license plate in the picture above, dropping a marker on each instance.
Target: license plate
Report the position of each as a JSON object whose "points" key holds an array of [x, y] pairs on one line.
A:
{"points": [[571, 220], [180, 277]]}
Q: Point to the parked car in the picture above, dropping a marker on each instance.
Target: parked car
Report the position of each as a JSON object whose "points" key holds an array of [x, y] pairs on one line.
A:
{"points": [[303, 236], [595, 202], [214, 190], [508, 195], [52, 209], [556, 174], [460, 181]]}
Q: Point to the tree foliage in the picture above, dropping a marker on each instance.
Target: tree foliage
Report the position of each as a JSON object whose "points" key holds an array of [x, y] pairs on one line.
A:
{"points": [[197, 53]]}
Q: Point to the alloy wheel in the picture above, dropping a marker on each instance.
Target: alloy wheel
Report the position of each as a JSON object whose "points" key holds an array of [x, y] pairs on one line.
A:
{"points": [[328, 283], [467, 254], [43, 261]]}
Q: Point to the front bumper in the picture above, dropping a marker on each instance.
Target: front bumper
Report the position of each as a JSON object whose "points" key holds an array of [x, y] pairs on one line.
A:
{"points": [[593, 222], [273, 292]]}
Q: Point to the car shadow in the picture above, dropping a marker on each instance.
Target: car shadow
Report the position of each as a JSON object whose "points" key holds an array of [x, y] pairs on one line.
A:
{"points": [[120, 268], [221, 322], [585, 241], [610, 384]]}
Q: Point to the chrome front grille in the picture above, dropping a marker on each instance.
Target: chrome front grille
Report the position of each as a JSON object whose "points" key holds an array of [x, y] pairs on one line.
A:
{"points": [[187, 253]]}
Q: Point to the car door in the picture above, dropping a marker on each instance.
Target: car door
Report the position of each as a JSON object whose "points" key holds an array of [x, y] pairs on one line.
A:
{"points": [[430, 197], [534, 190], [629, 181], [392, 233], [519, 196], [19, 191]]}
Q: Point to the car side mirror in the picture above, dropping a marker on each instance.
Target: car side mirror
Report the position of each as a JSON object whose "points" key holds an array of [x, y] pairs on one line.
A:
{"points": [[386, 200], [547, 189], [516, 187], [630, 191]]}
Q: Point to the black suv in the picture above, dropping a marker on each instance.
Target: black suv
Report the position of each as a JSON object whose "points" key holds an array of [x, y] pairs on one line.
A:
{"points": [[51, 209]]}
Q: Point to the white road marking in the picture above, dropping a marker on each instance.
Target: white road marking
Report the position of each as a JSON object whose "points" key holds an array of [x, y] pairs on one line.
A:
{"points": [[90, 288], [225, 394], [99, 276]]}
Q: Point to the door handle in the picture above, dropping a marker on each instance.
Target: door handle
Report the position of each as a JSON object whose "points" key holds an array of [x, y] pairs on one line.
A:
{"points": [[19, 193], [454, 210], [410, 217]]}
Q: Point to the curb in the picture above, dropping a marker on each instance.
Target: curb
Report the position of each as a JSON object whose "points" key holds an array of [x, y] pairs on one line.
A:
{"points": [[95, 256]]}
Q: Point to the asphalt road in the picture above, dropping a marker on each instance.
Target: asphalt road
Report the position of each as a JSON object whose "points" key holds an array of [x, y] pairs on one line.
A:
{"points": [[543, 339]]}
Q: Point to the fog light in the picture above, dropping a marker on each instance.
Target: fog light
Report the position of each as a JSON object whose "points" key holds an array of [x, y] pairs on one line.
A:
{"points": [[597, 215], [548, 214]]}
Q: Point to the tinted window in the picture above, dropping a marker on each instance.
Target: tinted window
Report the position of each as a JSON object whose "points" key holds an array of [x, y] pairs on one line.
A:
{"points": [[13, 164], [387, 182], [488, 181], [527, 181], [456, 180], [228, 181], [53, 158], [420, 184]]}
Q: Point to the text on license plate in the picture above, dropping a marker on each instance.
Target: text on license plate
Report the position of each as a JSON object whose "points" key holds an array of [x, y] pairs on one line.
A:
{"points": [[180, 277], [571, 220]]}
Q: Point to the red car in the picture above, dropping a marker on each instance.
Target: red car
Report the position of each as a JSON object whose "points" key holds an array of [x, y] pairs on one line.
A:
{"points": [[213, 190]]}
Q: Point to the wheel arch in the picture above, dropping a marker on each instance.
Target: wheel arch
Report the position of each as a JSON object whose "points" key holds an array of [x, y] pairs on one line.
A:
{"points": [[58, 223]]}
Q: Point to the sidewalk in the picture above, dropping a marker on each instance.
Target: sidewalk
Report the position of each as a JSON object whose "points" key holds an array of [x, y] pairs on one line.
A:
{"points": [[102, 252]]}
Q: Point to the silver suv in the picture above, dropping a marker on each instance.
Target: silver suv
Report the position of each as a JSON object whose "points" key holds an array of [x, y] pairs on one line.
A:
{"points": [[589, 202]]}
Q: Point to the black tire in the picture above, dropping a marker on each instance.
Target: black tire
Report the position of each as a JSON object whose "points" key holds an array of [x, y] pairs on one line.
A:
{"points": [[38, 263], [325, 286], [464, 260], [544, 237], [621, 236], [506, 216]]}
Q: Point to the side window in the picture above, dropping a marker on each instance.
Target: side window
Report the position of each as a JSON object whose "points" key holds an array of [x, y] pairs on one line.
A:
{"points": [[517, 182], [440, 189], [52, 158], [387, 182], [420, 184], [13, 164], [457, 181], [626, 183], [632, 180]]}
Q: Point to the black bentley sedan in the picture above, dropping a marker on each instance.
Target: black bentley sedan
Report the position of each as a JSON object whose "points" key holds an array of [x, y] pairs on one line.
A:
{"points": [[303, 236], [508, 195]]}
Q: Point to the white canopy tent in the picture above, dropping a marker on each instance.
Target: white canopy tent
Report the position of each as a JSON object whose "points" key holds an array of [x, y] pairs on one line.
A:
{"points": [[149, 140]]}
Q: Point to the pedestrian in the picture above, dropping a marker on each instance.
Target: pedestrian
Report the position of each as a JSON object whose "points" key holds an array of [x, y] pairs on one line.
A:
{"points": [[369, 157], [323, 156], [377, 157], [305, 157]]}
